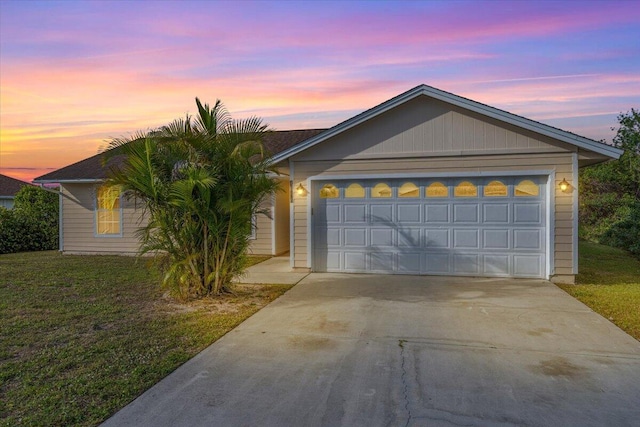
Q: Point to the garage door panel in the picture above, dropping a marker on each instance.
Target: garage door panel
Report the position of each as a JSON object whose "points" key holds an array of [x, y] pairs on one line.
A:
{"points": [[381, 261], [355, 213], [495, 239], [465, 213], [355, 237], [381, 237], [527, 239], [381, 213], [463, 238], [527, 213], [437, 238], [437, 213], [466, 264], [409, 213], [495, 213], [333, 214], [527, 265], [495, 265], [409, 237], [409, 262], [437, 263], [500, 232], [355, 261]]}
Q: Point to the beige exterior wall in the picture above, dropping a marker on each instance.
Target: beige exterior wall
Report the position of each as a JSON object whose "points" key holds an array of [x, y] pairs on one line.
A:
{"points": [[78, 227], [281, 218], [424, 138]]}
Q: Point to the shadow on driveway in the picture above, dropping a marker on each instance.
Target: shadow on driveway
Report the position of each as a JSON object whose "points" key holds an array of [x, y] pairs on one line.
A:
{"points": [[365, 350]]}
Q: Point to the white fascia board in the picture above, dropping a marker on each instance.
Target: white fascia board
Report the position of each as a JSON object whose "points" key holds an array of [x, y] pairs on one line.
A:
{"points": [[68, 181], [567, 137], [522, 122]]}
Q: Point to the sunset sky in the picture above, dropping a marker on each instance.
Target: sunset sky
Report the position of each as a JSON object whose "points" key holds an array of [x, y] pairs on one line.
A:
{"points": [[75, 74]]}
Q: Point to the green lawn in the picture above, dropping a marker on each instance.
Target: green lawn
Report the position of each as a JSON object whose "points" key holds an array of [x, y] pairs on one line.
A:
{"points": [[609, 283], [81, 336]]}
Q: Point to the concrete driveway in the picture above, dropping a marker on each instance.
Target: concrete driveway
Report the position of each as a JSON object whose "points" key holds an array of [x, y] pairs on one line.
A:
{"points": [[362, 350]]}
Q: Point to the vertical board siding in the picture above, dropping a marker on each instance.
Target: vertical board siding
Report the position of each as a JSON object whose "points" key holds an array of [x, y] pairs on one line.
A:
{"points": [[425, 126]]}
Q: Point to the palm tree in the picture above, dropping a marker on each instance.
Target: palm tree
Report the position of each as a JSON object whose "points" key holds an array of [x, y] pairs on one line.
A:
{"points": [[201, 181]]}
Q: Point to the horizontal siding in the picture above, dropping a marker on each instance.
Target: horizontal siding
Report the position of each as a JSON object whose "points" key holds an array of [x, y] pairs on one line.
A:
{"points": [[78, 216], [262, 244], [560, 163]]}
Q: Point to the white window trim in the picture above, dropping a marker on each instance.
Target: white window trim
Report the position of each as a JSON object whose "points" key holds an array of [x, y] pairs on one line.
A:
{"points": [[95, 217]]}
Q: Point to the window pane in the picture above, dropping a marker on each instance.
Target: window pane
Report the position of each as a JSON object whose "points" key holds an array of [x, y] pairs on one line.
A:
{"points": [[465, 189], [408, 189], [381, 190], [329, 191], [354, 190], [108, 210], [495, 189], [437, 189], [527, 188]]}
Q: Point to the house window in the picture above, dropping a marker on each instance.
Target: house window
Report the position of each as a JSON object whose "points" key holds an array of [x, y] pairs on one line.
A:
{"points": [[437, 189], [381, 190], [465, 189], [495, 189], [527, 188], [354, 191], [408, 190], [329, 191], [108, 211]]}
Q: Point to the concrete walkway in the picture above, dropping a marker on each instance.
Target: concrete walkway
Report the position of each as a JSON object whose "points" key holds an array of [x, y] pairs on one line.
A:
{"points": [[274, 270], [362, 350]]}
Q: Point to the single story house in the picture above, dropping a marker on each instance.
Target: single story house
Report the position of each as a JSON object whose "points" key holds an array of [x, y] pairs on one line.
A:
{"points": [[427, 182], [9, 187]]}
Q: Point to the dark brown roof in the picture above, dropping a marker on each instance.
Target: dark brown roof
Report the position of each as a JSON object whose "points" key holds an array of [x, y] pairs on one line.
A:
{"points": [[93, 169], [10, 186]]}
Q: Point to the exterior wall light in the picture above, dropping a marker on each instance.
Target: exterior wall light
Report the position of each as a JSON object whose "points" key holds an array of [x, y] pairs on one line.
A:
{"points": [[564, 185], [300, 190]]}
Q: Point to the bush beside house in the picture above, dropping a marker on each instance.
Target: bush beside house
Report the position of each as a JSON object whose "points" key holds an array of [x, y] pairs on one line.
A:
{"points": [[610, 192], [32, 224]]}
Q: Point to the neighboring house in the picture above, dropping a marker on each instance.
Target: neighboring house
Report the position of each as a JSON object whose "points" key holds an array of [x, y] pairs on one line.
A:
{"points": [[425, 183], [9, 187]]}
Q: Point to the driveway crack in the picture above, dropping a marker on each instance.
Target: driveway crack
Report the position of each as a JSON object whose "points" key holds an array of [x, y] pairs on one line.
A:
{"points": [[405, 390]]}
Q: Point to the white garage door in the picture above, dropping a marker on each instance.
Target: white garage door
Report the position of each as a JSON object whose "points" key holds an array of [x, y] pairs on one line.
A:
{"points": [[462, 226]]}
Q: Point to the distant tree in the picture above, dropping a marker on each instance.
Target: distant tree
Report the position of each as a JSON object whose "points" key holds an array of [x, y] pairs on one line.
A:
{"points": [[201, 181], [610, 192], [32, 224]]}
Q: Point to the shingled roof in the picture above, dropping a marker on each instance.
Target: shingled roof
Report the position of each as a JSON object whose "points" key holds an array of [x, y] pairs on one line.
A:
{"points": [[10, 186], [92, 169]]}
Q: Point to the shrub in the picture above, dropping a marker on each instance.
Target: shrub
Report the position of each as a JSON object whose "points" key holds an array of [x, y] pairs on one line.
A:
{"points": [[625, 232], [32, 225]]}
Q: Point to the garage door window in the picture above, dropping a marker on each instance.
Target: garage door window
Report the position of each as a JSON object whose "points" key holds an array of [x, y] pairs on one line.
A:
{"points": [[354, 191], [465, 189], [329, 191], [495, 189], [381, 190], [437, 189], [527, 188], [409, 190]]}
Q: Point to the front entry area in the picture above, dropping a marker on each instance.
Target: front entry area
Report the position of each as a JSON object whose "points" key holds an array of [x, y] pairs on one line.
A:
{"points": [[465, 226]]}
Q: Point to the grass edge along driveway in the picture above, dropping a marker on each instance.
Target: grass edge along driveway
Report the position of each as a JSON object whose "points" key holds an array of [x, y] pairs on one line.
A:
{"points": [[609, 284], [82, 336]]}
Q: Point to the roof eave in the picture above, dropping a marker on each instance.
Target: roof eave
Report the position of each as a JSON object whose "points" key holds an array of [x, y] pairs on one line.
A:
{"points": [[468, 104]]}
